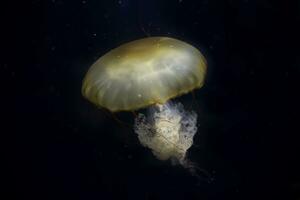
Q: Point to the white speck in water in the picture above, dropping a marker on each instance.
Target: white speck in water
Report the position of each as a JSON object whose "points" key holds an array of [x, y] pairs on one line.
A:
{"points": [[139, 95]]}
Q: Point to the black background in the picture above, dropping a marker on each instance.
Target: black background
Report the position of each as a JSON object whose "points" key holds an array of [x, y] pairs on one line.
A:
{"points": [[63, 147]]}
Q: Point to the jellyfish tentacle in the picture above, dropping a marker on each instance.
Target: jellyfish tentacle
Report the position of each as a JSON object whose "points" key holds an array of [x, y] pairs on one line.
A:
{"points": [[170, 131]]}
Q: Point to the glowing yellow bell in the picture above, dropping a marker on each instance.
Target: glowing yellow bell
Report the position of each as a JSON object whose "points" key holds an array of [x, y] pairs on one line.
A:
{"points": [[144, 72]]}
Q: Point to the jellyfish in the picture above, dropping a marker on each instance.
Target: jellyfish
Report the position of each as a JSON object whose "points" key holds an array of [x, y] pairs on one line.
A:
{"points": [[148, 73]]}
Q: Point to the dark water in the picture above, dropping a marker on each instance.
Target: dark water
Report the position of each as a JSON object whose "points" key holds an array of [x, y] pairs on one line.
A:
{"points": [[65, 148]]}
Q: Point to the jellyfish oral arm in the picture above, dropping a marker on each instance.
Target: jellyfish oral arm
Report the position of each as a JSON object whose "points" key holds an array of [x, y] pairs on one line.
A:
{"points": [[168, 130]]}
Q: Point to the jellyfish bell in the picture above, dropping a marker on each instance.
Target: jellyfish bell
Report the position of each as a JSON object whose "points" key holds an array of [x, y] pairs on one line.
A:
{"points": [[148, 73], [144, 72]]}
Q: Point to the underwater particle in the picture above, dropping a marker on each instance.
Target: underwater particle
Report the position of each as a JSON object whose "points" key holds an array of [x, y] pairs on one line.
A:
{"points": [[148, 73]]}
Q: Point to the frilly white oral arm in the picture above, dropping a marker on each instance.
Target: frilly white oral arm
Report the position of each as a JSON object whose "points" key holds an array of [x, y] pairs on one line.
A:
{"points": [[168, 131]]}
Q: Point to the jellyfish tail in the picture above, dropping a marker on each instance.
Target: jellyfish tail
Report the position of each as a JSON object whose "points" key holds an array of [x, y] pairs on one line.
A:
{"points": [[200, 173]]}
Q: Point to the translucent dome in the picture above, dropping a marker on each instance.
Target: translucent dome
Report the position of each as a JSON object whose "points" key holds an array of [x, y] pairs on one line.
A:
{"points": [[144, 72]]}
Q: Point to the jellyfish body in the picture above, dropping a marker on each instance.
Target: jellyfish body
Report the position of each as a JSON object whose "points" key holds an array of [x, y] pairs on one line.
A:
{"points": [[144, 72], [147, 73]]}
